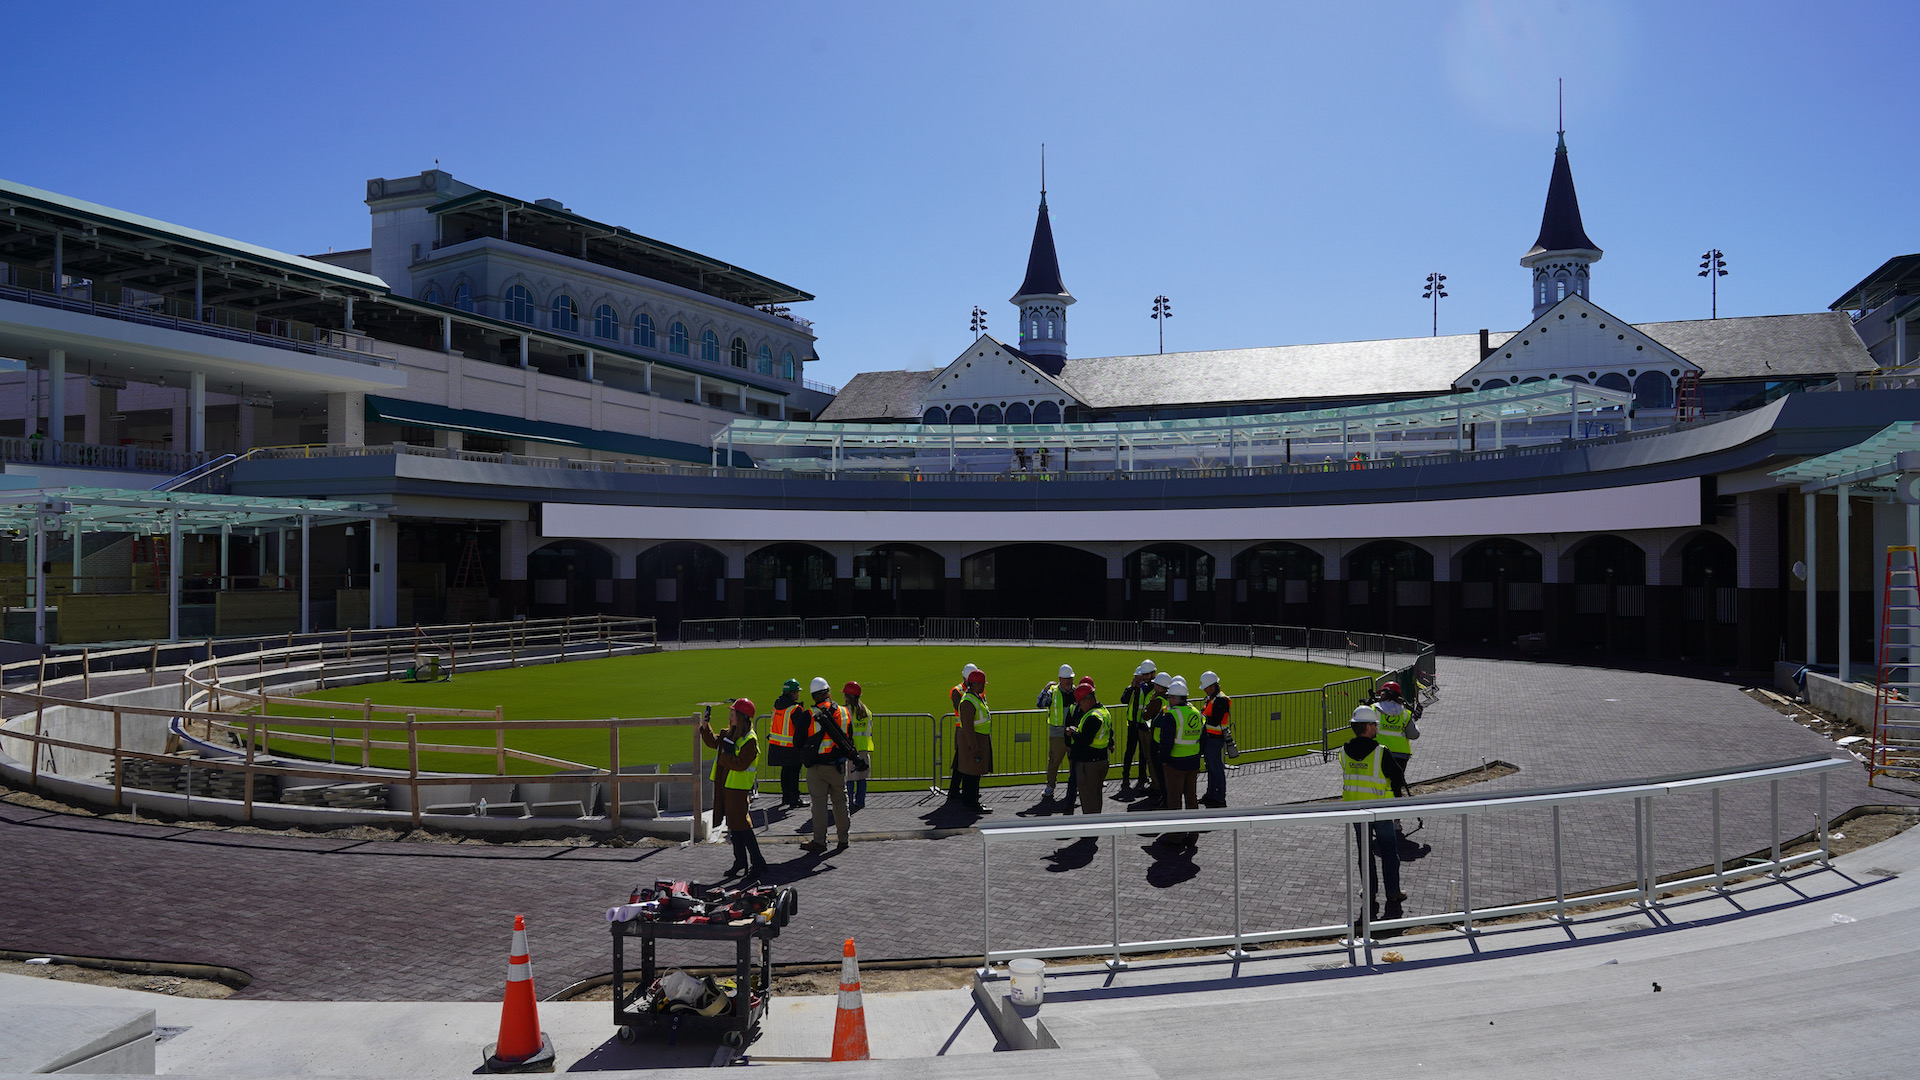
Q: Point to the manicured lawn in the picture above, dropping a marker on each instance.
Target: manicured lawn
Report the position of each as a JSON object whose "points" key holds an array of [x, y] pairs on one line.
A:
{"points": [[897, 679]]}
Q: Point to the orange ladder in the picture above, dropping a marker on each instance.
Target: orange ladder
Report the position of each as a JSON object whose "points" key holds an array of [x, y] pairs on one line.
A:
{"points": [[1894, 748]]}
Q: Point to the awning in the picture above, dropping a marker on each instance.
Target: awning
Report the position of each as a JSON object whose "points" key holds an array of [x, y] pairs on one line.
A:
{"points": [[473, 422]]}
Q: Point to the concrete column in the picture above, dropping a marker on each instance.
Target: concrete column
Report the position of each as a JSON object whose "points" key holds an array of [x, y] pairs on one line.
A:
{"points": [[384, 588], [199, 294], [743, 398], [306, 573], [197, 411], [173, 575], [57, 395], [523, 350], [589, 365], [226, 552], [95, 409], [1812, 562], [646, 378], [347, 419], [446, 333], [516, 542], [735, 583], [1116, 584], [39, 548], [59, 265], [349, 311], [449, 440], [248, 424], [698, 397], [1757, 539], [1842, 542]]}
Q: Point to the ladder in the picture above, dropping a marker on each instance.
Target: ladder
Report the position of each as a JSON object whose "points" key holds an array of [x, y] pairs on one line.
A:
{"points": [[1688, 398], [1894, 748]]}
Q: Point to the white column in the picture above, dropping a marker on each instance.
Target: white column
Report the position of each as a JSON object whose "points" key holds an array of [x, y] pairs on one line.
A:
{"points": [[173, 575], [646, 379], [76, 566], [226, 550], [39, 582], [306, 576], [349, 311], [743, 398], [589, 365], [523, 350], [1811, 507], [699, 397], [347, 419], [57, 395], [196, 411], [1845, 582], [383, 590], [446, 333]]}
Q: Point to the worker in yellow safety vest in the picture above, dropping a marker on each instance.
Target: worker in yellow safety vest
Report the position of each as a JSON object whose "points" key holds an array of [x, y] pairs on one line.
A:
{"points": [[1397, 729], [860, 726], [954, 695], [1058, 699], [782, 753], [1180, 726], [1218, 709], [973, 744], [1133, 703], [1092, 741], [1368, 773], [827, 749], [736, 768]]}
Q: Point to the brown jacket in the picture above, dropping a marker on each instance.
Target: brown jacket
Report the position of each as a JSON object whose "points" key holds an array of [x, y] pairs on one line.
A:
{"points": [[974, 750]]}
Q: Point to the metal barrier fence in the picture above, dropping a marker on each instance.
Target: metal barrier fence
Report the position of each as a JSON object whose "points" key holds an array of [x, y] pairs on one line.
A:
{"points": [[1351, 818], [907, 748]]}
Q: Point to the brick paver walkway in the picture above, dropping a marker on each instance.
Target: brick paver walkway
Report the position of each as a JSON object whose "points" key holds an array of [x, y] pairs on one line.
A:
{"points": [[321, 918]]}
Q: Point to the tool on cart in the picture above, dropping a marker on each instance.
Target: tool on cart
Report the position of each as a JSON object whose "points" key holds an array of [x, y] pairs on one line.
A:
{"points": [[676, 1002], [521, 1046]]}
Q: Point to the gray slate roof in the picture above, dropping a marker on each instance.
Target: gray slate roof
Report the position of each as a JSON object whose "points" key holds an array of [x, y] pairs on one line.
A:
{"points": [[1763, 346]]}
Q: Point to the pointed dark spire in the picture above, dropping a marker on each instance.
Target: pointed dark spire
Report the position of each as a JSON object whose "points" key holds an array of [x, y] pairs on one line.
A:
{"points": [[1043, 263], [1560, 228]]}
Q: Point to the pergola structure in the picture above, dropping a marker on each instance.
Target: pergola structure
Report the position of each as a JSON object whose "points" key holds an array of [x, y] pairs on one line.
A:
{"points": [[38, 513], [1356, 427], [1886, 465]]}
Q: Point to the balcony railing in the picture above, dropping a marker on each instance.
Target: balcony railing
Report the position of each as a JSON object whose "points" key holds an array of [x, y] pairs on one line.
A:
{"points": [[88, 456]]}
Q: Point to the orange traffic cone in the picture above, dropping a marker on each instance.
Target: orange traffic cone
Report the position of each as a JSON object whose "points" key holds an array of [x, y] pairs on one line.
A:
{"points": [[850, 1022], [522, 1047]]}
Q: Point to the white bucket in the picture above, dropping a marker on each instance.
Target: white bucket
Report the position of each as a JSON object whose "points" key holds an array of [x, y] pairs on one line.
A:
{"points": [[1029, 981]]}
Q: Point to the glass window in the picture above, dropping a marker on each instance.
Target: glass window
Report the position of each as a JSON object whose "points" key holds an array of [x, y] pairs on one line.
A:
{"points": [[1613, 380], [643, 334], [1019, 413], [766, 360], [677, 338], [566, 314], [517, 305], [786, 366], [710, 347], [605, 323], [463, 297], [1046, 413], [962, 414], [1653, 390], [934, 417], [737, 352], [433, 295], [990, 414]]}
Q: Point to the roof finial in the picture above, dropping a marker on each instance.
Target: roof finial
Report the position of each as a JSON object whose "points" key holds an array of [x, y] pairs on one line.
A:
{"points": [[1043, 174], [1563, 114]]}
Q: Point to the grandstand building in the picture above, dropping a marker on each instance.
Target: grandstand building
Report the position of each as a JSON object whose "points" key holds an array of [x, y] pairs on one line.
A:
{"points": [[502, 407]]}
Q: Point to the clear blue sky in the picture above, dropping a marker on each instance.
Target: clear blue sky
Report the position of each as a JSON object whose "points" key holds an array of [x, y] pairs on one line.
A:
{"points": [[1286, 173]]}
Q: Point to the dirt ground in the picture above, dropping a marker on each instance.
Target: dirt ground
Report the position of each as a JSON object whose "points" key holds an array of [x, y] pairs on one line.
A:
{"points": [[174, 985]]}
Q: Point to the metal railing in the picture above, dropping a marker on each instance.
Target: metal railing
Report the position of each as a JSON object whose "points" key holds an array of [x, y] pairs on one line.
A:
{"points": [[1351, 818], [30, 450]]}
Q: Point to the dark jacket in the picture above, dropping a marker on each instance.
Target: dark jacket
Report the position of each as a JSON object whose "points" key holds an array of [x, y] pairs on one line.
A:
{"points": [[782, 756], [1085, 727], [1359, 746]]}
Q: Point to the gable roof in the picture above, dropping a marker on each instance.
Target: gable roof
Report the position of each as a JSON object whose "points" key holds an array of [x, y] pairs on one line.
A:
{"points": [[1043, 262], [1560, 227], [1598, 337], [1766, 346], [874, 396]]}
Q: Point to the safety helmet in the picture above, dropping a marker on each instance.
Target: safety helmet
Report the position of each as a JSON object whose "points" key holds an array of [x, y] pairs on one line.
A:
{"points": [[1208, 678], [1365, 714], [1066, 671], [976, 677], [1084, 690], [791, 686], [743, 706], [1177, 687], [1162, 680], [966, 671], [820, 685], [1390, 690], [1147, 668], [852, 689]]}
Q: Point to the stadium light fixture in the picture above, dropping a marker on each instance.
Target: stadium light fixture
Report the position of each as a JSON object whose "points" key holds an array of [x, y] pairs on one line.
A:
{"points": [[1162, 311], [1436, 291], [1713, 267], [979, 324]]}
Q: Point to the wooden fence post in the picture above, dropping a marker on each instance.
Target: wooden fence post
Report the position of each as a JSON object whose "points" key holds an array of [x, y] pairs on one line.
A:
{"points": [[613, 778], [153, 665], [366, 734], [699, 795], [86, 673], [500, 736], [39, 714], [413, 768], [249, 770]]}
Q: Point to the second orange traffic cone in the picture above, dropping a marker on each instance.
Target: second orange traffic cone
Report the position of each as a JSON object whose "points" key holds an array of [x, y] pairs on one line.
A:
{"points": [[850, 1022], [522, 1046]]}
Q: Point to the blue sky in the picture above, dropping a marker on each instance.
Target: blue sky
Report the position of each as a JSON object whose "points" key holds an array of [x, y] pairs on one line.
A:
{"points": [[1286, 173]]}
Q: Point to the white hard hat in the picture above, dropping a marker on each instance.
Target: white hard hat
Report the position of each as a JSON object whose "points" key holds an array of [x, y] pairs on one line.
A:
{"points": [[1177, 688], [966, 671], [1208, 678], [819, 685], [1066, 671], [1365, 714], [1147, 668], [1162, 680]]}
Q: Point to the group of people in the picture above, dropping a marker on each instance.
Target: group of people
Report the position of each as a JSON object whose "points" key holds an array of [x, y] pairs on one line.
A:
{"points": [[1373, 765]]}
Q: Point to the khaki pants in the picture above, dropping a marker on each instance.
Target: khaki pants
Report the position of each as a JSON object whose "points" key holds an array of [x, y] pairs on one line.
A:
{"points": [[828, 783], [1182, 787], [1056, 752], [1092, 776]]}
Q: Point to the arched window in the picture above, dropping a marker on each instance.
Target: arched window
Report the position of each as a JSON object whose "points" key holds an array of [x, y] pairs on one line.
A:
{"points": [[1046, 413], [962, 415], [1493, 384], [710, 346], [1019, 413], [737, 352], [1577, 378], [1531, 379], [766, 360], [463, 297], [990, 414], [1560, 289], [517, 305], [1613, 380], [566, 314], [1035, 332], [1049, 328], [605, 323], [934, 416], [643, 334], [433, 295], [677, 338], [1653, 390], [786, 366]]}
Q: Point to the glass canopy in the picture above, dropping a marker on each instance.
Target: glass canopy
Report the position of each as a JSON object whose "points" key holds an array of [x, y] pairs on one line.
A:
{"points": [[1873, 463], [91, 509]]}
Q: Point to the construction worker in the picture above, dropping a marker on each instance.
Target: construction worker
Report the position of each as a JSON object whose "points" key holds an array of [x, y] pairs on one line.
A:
{"points": [[1133, 701], [860, 726], [1092, 739], [1154, 719], [735, 771], [1367, 772], [1180, 726], [974, 747], [954, 695], [1398, 729], [827, 749], [782, 752], [1218, 711], [1058, 699]]}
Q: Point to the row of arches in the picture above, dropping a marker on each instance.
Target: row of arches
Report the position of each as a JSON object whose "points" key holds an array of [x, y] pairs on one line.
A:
{"points": [[1651, 389], [989, 413]]}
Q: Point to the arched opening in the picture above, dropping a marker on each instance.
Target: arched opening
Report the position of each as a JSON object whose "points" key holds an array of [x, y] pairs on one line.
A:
{"points": [[1019, 413], [1710, 599], [1278, 583], [962, 414], [788, 580], [1390, 589], [934, 416], [1652, 390], [990, 414], [899, 579], [566, 314], [1028, 581], [681, 580], [570, 577], [1609, 595], [1501, 595], [1613, 380], [1046, 412], [1170, 583]]}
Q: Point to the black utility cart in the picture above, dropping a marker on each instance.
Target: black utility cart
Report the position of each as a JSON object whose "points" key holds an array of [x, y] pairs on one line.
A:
{"points": [[635, 1004]]}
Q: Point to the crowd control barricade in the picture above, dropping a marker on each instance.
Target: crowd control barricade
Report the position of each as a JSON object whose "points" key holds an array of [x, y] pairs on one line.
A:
{"points": [[1337, 702], [709, 631], [892, 628], [1226, 635], [773, 630], [944, 628], [1599, 810], [1078, 631], [907, 749], [845, 628], [1005, 629], [1280, 721], [1020, 743], [1116, 632]]}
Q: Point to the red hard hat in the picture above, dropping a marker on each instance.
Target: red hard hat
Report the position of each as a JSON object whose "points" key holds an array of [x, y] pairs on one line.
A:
{"points": [[1390, 688], [1084, 690], [852, 688], [1086, 680], [976, 678], [743, 705]]}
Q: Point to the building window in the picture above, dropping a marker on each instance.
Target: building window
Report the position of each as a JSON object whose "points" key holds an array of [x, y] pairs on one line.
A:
{"points": [[1019, 413], [605, 323], [517, 305], [962, 415], [1046, 413], [433, 295], [566, 314], [463, 297], [709, 346], [934, 416], [786, 366], [677, 338], [1653, 390], [990, 414], [738, 352], [766, 360], [643, 334]]}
